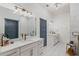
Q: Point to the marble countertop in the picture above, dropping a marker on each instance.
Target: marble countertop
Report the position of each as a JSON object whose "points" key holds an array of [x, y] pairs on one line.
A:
{"points": [[18, 43]]}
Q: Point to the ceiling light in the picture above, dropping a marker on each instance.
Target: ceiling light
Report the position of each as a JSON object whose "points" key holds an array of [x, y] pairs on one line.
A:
{"points": [[47, 5]]}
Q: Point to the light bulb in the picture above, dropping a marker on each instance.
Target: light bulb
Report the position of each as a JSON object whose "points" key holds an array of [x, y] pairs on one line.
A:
{"points": [[20, 11], [15, 11]]}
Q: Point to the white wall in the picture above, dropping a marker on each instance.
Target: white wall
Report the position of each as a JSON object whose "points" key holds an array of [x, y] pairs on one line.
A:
{"points": [[6, 13], [62, 24], [62, 27], [74, 22], [74, 8], [27, 25], [50, 27]]}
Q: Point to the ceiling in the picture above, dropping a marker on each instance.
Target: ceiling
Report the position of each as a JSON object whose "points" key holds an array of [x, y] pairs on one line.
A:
{"points": [[52, 8], [55, 8]]}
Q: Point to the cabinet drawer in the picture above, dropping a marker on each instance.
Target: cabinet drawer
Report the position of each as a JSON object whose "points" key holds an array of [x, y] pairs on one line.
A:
{"points": [[25, 47], [14, 52]]}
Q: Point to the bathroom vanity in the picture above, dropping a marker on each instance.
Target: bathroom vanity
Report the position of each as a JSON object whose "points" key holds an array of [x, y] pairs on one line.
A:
{"points": [[12, 26], [29, 47]]}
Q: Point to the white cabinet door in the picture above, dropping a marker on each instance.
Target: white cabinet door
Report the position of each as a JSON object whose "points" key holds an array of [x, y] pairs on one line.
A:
{"points": [[35, 51], [40, 48], [14, 52], [27, 52]]}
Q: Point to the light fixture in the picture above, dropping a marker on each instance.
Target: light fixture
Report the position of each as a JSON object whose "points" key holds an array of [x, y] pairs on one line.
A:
{"points": [[57, 4], [47, 5], [22, 12]]}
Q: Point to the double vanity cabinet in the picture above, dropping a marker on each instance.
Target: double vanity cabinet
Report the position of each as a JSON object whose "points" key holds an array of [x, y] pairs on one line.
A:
{"points": [[31, 47]]}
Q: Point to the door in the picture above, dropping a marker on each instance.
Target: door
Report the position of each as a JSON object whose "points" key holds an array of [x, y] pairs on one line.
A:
{"points": [[11, 28], [43, 30]]}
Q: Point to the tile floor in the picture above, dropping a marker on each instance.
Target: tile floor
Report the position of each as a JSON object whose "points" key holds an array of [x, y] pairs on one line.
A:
{"points": [[57, 50]]}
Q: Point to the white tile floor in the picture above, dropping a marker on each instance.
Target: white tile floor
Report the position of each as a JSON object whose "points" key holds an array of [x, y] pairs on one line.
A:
{"points": [[57, 50]]}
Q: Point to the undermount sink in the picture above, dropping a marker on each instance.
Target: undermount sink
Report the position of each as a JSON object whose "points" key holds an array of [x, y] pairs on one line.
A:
{"points": [[19, 40], [22, 40]]}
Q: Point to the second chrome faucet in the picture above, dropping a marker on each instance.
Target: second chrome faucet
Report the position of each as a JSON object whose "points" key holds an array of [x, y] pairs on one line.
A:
{"points": [[24, 36]]}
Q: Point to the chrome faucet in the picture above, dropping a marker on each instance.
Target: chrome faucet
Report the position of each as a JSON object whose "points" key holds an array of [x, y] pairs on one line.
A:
{"points": [[25, 36], [2, 40]]}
